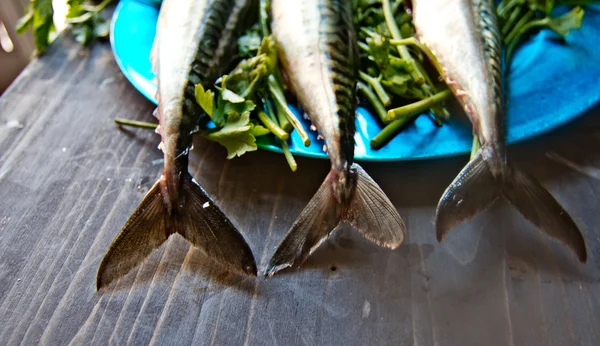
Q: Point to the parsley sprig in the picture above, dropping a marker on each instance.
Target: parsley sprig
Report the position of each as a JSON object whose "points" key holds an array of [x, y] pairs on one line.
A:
{"points": [[83, 18]]}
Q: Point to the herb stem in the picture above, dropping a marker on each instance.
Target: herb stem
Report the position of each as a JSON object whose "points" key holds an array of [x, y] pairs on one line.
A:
{"points": [[397, 6], [368, 32], [402, 50], [365, 14], [96, 9], [476, 146], [518, 27], [134, 123], [390, 131], [376, 84], [511, 21], [364, 46], [413, 41], [510, 45], [272, 126], [277, 116], [367, 92], [263, 17], [505, 6], [288, 156], [436, 119], [280, 98], [419, 106], [285, 124], [102, 5]]}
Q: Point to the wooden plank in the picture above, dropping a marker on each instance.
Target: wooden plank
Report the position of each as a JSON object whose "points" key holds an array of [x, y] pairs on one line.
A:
{"points": [[70, 179]]}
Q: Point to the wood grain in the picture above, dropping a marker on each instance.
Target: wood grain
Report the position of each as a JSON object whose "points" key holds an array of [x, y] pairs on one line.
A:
{"points": [[70, 178]]}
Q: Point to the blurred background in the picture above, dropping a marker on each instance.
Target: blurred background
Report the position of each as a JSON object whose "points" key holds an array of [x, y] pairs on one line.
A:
{"points": [[17, 49]]}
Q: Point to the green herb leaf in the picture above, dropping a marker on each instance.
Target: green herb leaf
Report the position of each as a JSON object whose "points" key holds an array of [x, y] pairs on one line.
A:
{"points": [[230, 96], [204, 99], [226, 109], [85, 21], [26, 21], [235, 135], [42, 23], [570, 21], [259, 130], [84, 17], [537, 5], [101, 27], [268, 48], [74, 4], [248, 76], [249, 43], [397, 78], [84, 34], [366, 3], [379, 49], [238, 109]]}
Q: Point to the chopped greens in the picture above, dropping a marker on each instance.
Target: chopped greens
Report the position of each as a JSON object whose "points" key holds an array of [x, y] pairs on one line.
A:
{"points": [[235, 131], [398, 80], [519, 18], [399, 77], [249, 43], [38, 17], [399, 84], [252, 85], [84, 18]]}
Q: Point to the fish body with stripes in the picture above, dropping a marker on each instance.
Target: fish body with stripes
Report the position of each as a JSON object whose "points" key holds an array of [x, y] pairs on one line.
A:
{"points": [[465, 38], [194, 44], [318, 50]]}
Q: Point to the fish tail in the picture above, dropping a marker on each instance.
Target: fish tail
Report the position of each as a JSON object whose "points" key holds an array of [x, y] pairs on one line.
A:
{"points": [[199, 221], [476, 187], [368, 210]]}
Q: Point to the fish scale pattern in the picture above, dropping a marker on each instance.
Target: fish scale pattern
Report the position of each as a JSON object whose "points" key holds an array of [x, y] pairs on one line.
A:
{"points": [[338, 40], [220, 25], [492, 47]]}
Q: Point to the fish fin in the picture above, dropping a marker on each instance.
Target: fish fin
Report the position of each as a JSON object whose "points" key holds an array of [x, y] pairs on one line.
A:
{"points": [[206, 227], [200, 222], [144, 231], [476, 188], [538, 206], [318, 219], [372, 213], [369, 211]]}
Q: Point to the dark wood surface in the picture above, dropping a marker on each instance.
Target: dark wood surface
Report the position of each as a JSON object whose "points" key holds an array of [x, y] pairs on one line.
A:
{"points": [[69, 179]]}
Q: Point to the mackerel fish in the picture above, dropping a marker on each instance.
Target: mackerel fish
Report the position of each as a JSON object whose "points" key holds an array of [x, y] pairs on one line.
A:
{"points": [[318, 50], [194, 45], [465, 38]]}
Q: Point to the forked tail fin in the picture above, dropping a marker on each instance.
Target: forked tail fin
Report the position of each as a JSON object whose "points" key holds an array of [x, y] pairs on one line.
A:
{"points": [[476, 188], [200, 222], [369, 211]]}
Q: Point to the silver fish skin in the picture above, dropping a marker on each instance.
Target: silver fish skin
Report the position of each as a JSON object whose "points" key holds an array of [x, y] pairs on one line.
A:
{"points": [[465, 38], [317, 47], [193, 45]]}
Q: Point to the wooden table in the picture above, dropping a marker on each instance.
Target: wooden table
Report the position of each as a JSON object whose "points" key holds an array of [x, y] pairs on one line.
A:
{"points": [[69, 179]]}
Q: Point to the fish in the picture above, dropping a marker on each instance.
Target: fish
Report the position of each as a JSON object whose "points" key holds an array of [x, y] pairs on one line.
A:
{"points": [[464, 36], [194, 45], [317, 47]]}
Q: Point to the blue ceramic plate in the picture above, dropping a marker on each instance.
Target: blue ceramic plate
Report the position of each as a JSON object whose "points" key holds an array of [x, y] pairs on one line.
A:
{"points": [[551, 83]]}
